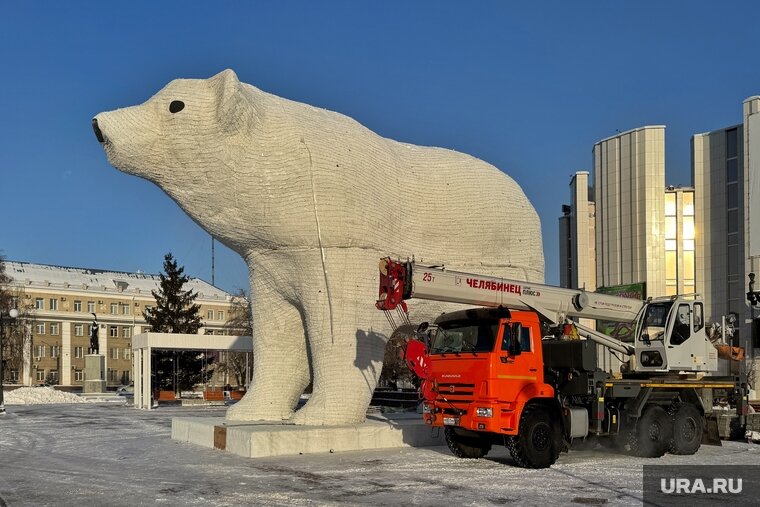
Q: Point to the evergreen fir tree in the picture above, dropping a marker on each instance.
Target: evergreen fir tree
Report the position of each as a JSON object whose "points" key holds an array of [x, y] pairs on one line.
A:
{"points": [[176, 312]]}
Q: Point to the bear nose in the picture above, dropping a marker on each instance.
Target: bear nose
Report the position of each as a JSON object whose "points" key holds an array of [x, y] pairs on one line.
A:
{"points": [[98, 133]]}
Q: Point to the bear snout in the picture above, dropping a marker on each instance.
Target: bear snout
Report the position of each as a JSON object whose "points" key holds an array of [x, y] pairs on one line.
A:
{"points": [[98, 133]]}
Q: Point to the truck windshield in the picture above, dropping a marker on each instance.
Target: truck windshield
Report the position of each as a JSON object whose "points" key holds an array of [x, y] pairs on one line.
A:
{"points": [[653, 327], [465, 336]]}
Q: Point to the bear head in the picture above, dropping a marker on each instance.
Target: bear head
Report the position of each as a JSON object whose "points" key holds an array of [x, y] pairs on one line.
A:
{"points": [[188, 139]]}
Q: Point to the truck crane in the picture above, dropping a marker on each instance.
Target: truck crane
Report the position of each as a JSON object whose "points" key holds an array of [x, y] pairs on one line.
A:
{"points": [[497, 374]]}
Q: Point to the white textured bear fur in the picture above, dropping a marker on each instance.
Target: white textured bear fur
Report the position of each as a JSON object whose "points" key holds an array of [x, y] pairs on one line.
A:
{"points": [[312, 200]]}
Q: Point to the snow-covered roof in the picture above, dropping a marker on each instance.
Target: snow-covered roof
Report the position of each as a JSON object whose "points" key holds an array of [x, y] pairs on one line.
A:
{"points": [[43, 275]]}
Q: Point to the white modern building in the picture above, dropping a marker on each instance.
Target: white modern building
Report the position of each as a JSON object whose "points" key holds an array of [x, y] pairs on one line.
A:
{"points": [[577, 236], [726, 172], [703, 239], [629, 178]]}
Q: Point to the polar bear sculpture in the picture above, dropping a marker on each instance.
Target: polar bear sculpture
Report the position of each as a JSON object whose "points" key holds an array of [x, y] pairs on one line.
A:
{"points": [[312, 199]]}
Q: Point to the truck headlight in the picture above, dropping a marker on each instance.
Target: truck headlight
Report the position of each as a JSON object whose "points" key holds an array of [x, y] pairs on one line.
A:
{"points": [[484, 412]]}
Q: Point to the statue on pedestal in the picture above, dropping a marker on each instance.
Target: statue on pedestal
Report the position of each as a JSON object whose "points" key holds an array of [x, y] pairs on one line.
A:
{"points": [[94, 346]]}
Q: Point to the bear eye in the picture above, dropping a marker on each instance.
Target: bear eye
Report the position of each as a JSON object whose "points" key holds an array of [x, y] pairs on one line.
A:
{"points": [[176, 106]]}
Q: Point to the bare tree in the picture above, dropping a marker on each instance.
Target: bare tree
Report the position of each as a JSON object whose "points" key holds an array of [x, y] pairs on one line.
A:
{"points": [[17, 340], [395, 369], [240, 323], [18, 336]]}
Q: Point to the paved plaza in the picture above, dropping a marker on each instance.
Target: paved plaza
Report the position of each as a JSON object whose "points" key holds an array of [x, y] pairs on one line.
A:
{"points": [[96, 454]]}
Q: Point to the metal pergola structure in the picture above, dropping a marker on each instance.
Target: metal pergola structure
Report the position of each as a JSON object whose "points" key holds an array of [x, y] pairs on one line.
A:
{"points": [[143, 344]]}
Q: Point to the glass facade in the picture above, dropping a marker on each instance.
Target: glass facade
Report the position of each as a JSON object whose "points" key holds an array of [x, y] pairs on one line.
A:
{"points": [[679, 242]]}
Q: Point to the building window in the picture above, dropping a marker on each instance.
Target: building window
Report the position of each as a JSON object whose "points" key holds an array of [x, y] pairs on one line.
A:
{"points": [[91, 306], [78, 330], [670, 204], [220, 315], [126, 332], [53, 304], [125, 310], [114, 308], [39, 304], [146, 329], [688, 227], [114, 353], [55, 351], [113, 331], [78, 376], [125, 377], [39, 351], [671, 273], [127, 353], [113, 375], [670, 227], [77, 306], [40, 327], [40, 376], [14, 375], [210, 315], [54, 328], [732, 146], [688, 204], [78, 352], [53, 377]]}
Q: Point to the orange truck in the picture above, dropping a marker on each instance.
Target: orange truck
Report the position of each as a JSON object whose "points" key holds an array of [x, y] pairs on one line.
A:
{"points": [[508, 371]]}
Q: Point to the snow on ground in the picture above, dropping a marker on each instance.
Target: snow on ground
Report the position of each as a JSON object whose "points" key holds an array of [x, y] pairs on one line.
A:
{"points": [[114, 455], [40, 396]]}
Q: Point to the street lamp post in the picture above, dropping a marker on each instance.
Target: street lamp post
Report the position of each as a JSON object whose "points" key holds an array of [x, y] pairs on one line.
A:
{"points": [[753, 297], [13, 313]]}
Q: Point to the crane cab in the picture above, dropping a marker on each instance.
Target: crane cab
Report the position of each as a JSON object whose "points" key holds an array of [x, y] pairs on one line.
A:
{"points": [[670, 335]]}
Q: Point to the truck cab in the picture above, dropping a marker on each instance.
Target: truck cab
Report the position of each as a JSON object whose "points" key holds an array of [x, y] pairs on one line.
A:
{"points": [[484, 364]]}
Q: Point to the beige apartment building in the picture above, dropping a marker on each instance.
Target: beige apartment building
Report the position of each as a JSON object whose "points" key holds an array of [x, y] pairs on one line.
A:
{"points": [[57, 302]]}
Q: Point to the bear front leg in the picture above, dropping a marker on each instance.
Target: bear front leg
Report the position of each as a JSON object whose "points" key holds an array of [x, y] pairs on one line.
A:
{"points": [[281, 369], [347, 337]]}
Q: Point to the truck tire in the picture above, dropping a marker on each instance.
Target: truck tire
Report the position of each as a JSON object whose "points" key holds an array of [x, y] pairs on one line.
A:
{"points": [[538, 441], [653, 432], [688, 425], [465, 446]]}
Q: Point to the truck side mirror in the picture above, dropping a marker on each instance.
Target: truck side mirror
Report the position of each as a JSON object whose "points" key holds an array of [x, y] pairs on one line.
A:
{"points": [[423, 334], [514, 345]]}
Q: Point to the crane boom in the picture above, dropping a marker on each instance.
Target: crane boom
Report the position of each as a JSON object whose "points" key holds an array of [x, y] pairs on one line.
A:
{"points": [[400, 281]]}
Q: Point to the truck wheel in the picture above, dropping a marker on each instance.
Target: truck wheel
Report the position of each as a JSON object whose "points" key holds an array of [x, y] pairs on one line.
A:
{"points": [[653, 432], [688, 424], [538, 441], [464, 446]]}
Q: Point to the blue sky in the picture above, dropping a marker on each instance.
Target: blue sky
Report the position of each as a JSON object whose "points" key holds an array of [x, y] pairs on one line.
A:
{"points": [[526, 86]]}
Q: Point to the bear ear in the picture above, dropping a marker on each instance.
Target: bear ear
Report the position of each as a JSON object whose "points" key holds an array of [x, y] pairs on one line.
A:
{"points": [[226, 83], [231, 106]]}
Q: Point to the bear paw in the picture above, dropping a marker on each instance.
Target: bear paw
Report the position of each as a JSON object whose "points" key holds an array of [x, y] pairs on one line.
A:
{"points": [[321, 414], [251, 412]]}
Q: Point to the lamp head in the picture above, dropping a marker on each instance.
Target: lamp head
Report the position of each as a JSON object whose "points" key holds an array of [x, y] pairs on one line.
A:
{"points": [[13, 313]]}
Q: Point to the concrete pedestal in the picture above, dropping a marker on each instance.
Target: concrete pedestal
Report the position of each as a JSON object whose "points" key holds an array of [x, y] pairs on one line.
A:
{"points": [[258, 440], [94, 373]]}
